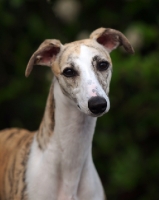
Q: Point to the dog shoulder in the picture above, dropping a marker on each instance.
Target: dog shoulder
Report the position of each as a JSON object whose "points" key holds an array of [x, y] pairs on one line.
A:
{"points": [[14, 151]]}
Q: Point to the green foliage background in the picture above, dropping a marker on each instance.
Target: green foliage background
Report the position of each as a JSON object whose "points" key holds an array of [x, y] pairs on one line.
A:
{"points": [[125, 149]]}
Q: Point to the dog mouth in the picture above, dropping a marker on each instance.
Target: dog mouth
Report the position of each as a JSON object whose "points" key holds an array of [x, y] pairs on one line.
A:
{"points": [[96, 115]]}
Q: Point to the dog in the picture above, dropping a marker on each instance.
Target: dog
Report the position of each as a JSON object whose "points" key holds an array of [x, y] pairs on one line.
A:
{"points": [[55, 162]]}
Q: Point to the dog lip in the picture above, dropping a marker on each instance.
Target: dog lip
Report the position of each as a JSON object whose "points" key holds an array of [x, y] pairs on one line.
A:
{"points": [[96, 115]]}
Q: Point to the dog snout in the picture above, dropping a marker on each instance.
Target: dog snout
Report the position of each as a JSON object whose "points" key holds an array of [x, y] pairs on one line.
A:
{"points": [[97, 105]]}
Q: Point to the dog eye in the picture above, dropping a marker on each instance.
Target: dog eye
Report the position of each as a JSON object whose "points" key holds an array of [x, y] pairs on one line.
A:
{"points": [[69, 72], [103, 65]]}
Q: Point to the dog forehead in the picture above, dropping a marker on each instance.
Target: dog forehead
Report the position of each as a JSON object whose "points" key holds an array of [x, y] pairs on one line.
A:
{"points": [[82, 49]]}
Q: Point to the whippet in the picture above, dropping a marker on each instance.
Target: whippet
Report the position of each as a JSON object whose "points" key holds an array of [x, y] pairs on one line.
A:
{"points": [[55, 162]]}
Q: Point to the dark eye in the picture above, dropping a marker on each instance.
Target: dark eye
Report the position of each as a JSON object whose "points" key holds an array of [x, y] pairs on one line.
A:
{"points": [[103, 65], [69, 72]]}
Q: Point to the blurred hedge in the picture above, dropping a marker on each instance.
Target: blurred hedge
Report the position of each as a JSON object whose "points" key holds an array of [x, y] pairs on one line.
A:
{"points": [[126, 140]]}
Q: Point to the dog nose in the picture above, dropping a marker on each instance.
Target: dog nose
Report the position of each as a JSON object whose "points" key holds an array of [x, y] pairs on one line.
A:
{"points": [[97, 105]]}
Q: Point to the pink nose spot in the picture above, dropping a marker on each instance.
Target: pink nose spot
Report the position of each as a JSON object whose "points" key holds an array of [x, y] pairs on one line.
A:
{"points": [[92, 89]]}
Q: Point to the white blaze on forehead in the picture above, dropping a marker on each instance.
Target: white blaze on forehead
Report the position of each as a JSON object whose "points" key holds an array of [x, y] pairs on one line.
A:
{"points": [[85, 58], [89, 79]]}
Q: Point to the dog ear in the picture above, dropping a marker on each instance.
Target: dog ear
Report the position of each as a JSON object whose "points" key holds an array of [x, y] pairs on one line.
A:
{"points": [[111, 39], [45, 55]]}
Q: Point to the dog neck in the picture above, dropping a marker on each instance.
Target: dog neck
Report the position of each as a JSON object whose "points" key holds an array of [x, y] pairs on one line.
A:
{"points": [[73, 133], [65, 141]]}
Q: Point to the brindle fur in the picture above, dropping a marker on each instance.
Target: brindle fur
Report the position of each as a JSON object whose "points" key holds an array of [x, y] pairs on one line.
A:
{"points": [[14, 152]]}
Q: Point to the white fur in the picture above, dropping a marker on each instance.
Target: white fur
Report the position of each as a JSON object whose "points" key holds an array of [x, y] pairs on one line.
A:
{"points": [[65, 170]]}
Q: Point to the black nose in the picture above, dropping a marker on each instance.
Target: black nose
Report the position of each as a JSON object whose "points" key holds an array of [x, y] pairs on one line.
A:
{"points": [[97, 105]]}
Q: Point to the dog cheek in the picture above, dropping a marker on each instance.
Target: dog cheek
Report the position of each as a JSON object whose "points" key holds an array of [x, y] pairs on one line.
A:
{"points": [[82, 98], [104, 81], [107, 85]]}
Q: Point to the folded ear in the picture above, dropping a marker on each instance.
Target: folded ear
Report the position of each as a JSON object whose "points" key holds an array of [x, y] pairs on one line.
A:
{"points": [[45, 55], [111, 39]]}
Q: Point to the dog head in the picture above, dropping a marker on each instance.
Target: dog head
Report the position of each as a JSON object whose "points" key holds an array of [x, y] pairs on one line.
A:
{"points": [[83, 68]]}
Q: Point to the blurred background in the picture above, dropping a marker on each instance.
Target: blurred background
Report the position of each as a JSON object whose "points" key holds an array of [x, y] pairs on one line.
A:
{"points": [[125, 149]]}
